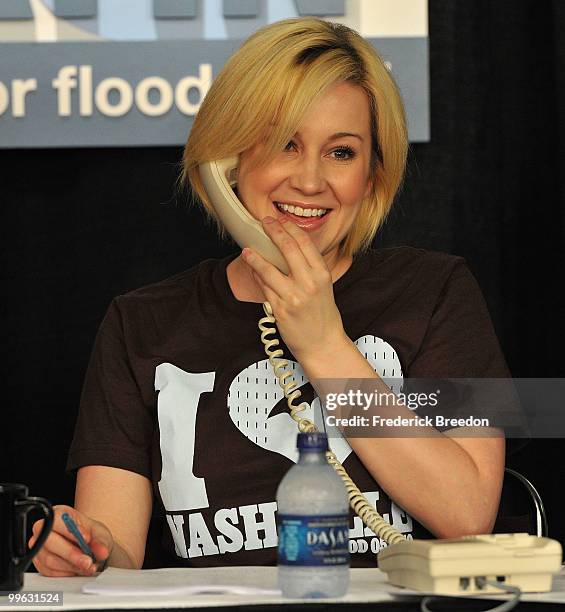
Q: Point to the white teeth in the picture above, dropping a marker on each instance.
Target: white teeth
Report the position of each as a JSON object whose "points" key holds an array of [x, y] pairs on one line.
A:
{"points": [[302, 212]]}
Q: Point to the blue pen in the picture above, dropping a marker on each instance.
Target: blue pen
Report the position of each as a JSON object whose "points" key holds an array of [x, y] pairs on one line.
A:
{"points": [[72, 527]]}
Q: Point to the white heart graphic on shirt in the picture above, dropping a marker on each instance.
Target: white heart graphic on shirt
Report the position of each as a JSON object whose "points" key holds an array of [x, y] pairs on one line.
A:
{"points": [[255, 391]]}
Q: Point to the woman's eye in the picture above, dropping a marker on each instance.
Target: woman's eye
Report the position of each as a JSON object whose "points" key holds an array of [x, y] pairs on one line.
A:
{"points": [[291, 143], [344, 153]]}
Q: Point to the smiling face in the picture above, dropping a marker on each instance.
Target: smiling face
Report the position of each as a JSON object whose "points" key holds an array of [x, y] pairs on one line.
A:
{"points": [[322, 176]]}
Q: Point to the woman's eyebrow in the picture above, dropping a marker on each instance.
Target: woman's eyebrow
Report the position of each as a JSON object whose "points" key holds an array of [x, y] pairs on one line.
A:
{"points": [[342, 134]]}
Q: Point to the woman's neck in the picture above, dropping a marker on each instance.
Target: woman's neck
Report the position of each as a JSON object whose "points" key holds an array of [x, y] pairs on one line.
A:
{"points": [[245, 289]]}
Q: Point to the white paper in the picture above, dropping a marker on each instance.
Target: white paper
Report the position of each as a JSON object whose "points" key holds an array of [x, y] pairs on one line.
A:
{"points": [[175, 581]]}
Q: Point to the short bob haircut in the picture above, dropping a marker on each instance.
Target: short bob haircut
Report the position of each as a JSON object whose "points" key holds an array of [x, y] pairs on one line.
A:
{"points": [[267, 87]]}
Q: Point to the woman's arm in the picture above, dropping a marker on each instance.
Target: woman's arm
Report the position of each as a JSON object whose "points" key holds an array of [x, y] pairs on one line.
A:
{"points": [[114, 428], [121, 500], [113, 508], [450, 485]]}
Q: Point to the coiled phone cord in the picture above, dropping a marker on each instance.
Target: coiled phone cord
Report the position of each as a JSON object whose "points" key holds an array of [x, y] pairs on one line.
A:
{"points": [[357, 500]]}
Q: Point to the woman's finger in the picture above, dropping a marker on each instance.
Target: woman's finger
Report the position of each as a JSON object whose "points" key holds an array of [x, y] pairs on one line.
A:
{"points": [[270, 295], [56, 574], [71, 553], [53, 563], [306, 245], [93, 532], [101, 542], [276, 230], [59, 554], [270, 276]]}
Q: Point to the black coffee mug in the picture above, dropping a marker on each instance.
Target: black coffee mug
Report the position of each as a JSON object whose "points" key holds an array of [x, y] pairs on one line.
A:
{"points": [[14, 554]]}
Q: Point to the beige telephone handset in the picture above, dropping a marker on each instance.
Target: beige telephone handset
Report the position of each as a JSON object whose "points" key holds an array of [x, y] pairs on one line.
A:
{"points": [[218, 178]]}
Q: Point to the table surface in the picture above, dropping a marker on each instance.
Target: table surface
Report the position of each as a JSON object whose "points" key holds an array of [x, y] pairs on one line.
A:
{"points": [[367, 586]]}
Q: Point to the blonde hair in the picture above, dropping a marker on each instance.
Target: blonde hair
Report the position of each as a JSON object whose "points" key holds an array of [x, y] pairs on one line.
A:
{"points": [[267, 87]]}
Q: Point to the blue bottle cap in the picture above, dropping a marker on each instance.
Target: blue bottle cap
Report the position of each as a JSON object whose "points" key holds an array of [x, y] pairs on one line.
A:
{"points": [[314, 441]]}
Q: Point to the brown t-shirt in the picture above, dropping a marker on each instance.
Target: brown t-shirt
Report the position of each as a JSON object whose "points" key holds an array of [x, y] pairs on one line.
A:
{"points": [[179, 390]]}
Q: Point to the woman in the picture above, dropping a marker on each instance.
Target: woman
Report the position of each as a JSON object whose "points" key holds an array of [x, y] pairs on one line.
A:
{"points": [[180, 405]]}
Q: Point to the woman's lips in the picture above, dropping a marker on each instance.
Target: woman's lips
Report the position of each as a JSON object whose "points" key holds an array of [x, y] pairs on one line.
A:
{"points": [[306, 223]]}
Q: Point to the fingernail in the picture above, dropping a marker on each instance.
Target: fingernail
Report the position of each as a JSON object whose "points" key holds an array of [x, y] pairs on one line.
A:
{"points": [[85, 562], [268, 220]]}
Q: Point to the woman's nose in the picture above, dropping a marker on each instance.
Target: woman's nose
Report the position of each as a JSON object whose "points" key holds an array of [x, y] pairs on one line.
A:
{"points": [[307, 175]]}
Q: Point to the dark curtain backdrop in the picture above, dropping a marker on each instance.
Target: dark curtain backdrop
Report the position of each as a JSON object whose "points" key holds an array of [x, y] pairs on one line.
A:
{"points": [[80, 226]]}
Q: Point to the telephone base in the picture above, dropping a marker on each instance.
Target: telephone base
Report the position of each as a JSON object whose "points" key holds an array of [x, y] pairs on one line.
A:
{"points": [[459, 566]]}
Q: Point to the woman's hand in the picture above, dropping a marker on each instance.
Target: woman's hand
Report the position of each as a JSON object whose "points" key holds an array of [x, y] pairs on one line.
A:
{"points": [[303, 302], [61, 555]]}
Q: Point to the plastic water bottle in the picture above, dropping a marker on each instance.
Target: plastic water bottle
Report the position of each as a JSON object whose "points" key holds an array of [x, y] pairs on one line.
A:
{"points": [[313, 525]]}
